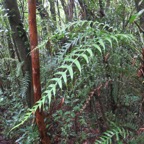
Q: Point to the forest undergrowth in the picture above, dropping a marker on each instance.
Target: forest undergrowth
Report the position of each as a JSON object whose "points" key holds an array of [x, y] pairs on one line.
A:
{"points": [[91, 80]]}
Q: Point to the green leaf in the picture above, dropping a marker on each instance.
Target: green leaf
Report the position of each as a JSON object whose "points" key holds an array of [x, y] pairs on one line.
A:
{"points": [[64, 77], [76, 62], [51, 85], [64, 66], [58, 80], [132, 18], [97, 47], [90, 52], [113, 37], [71, 72], [49, 97], [43, 100], [101, 42], [109, 40], [59, 83], [54, 90], [85, 57], [135, 16], [63, 74], [124, 36], [78, 65], [69, 60]]}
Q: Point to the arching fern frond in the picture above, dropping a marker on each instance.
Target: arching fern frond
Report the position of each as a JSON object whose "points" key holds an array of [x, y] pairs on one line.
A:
{"points": [[85, 46], [57, 82], [106, 138]]}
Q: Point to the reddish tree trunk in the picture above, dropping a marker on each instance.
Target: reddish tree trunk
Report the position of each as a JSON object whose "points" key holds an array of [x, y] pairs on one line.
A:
{"points": [[36, 70]]}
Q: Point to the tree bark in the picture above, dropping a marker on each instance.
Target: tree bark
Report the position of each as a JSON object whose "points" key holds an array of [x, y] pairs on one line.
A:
{"points": [[20, 39], [43, 14], [140, 6], [47, 24], [107, 4], [84, 10], [70, 9], [102, 13], [36, 70], [42, 11], [10, 47], [57, 3], [64, 5], [52, 10]]}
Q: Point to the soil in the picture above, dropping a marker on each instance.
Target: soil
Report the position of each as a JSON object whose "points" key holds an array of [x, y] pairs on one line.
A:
{"points": [[3, 140]]}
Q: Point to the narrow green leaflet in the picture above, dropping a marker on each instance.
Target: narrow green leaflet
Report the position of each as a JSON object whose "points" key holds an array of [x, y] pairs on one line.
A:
{"points": [[69, 68], [76, 62], [71, 72], [124, 36], [49, 97], [64, 77], [63, 74], [85, 57], [39, 104], [54, 90], [69, 60], [135, 16], [64, 66], [59, 83], [102, 43], [109, 40], [98, 142], [97, 47], [78, 65], [90, 52], [132, 18], [43, 100], [113, 37], [58, 80]]}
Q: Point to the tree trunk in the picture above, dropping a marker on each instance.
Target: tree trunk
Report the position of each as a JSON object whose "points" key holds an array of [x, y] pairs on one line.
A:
{"points": [[20, 39], [10, 47], [70, 9], [64, 5], [36, 70], [42, 11], [139, 6], [83, 11], [107, 4], [58, 9], [102, 13], [47, 24], [52, 10]]}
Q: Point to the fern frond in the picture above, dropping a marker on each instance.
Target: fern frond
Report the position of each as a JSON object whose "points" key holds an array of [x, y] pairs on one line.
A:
{"points": [[69, 61], [108, 135], [85, 47]]}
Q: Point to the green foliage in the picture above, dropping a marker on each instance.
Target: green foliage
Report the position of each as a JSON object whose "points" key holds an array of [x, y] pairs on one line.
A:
{"points": [[91, 40], [29, 135], [135, 17], [137, 139], [113, 135], [76, 59]]}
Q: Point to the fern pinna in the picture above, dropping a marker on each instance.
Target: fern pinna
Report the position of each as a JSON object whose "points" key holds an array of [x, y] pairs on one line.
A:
{"points": [[107, 137]]}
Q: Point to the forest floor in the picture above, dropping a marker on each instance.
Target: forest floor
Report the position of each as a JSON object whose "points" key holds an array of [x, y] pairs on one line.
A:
{"points": [[3, 139]]}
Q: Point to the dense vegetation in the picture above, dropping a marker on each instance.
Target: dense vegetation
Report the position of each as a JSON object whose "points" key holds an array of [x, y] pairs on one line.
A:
{"points": [[92, 68]]}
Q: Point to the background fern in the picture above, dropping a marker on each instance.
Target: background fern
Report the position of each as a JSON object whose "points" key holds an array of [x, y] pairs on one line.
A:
{"points": [[116, 135]]}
